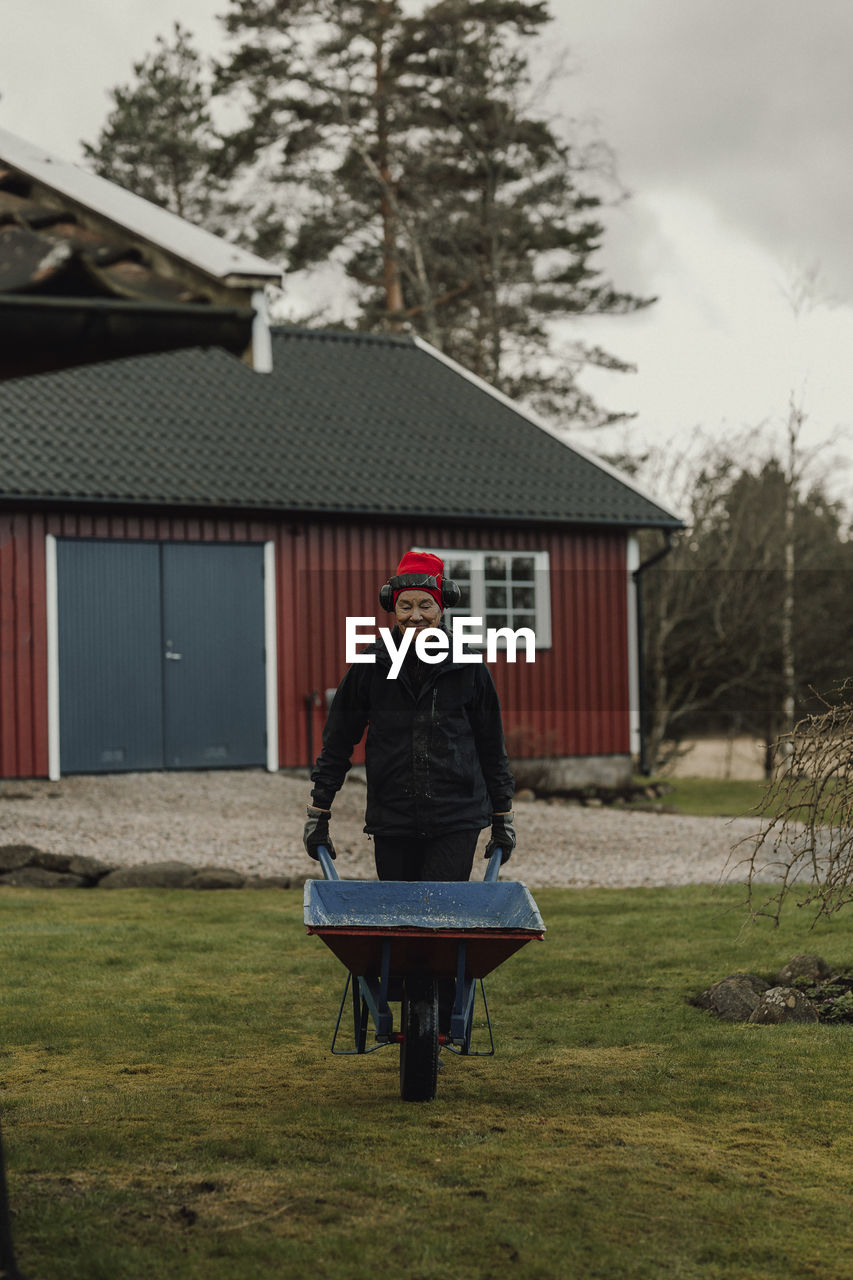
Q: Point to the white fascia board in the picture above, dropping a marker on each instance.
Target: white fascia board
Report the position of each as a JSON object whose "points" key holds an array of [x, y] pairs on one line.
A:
{"points": [[533, 418], [209, 253]]}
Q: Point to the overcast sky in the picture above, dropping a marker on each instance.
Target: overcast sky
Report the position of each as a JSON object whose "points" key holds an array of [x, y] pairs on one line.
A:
{"points": [[732, 122]]}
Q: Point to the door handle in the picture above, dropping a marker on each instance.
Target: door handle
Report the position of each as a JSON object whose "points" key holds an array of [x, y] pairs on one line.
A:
{"points": [[174, 657]]}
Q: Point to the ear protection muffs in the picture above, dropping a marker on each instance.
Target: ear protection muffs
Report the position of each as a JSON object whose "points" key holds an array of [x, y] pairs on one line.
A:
{"points": [[451, 593]]}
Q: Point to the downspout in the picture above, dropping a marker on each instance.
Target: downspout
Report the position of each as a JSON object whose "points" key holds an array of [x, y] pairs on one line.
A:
{"points": [[260, 350], [641, 647]]}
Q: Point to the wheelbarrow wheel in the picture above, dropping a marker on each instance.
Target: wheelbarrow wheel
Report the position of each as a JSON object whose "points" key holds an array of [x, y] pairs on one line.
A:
{"points": [[419, 1046]]}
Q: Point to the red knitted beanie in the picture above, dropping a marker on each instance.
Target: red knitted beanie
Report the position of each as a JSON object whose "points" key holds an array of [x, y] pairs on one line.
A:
{"points": [[425, 564]]}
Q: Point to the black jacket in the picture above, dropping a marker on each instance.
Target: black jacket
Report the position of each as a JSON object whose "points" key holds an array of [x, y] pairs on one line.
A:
{"points": [[435, 756]]}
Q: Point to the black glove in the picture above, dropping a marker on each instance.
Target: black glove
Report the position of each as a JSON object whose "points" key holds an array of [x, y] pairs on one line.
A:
{"points": [[503, 836], [317, 832]]}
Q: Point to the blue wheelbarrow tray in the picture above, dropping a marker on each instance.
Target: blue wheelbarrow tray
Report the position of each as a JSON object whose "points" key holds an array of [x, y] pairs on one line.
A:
{"points": [[423, 922]]}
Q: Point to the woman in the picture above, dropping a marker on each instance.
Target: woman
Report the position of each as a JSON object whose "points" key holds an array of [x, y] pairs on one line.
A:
{"points": [[437, 770]]}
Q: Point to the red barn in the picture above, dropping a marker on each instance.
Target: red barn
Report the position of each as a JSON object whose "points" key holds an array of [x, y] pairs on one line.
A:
{"points": [[182, 538]]}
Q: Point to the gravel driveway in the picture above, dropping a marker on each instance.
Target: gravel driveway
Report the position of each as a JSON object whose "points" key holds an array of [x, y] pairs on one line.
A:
{"points": [[252, 821]]}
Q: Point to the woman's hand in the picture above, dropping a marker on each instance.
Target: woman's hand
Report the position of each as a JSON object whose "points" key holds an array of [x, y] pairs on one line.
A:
{"points": [[503, 836], [316, 832]]}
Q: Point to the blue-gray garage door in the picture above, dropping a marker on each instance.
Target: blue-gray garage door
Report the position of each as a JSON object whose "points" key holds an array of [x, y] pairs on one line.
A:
{"points": [[161, 655]]}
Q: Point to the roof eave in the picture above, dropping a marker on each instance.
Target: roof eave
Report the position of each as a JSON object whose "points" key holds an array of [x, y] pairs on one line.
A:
{"points": [[102, 329], [227, 506], [535, 420], [237, 280], [162, 230]]}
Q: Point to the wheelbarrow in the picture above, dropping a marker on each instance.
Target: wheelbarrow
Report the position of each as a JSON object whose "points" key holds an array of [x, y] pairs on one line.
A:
{"points": [[410, 942]]}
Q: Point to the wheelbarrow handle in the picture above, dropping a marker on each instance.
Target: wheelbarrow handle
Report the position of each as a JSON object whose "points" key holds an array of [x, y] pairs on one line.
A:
{"points": [[493, 870], [324, 858], [330, 871]]}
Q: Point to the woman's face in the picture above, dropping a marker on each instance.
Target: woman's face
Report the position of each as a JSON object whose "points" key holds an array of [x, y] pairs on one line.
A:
{"points": [[416, 609]]}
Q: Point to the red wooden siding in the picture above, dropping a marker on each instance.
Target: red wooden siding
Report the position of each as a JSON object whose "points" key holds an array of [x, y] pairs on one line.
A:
{"points": [[572, 701], [23, 647]]}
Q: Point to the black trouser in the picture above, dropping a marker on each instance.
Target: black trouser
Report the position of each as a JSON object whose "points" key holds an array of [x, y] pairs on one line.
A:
{"points": [[438, 858], [416, 858]]}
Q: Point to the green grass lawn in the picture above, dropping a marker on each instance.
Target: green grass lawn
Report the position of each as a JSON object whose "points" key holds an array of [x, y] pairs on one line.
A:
{"points": [[714, 797], [719, 797], [170, 1107]]}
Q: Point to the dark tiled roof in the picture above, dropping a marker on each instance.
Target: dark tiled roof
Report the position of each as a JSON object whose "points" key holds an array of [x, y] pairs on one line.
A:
{"points": [[345, 423]]}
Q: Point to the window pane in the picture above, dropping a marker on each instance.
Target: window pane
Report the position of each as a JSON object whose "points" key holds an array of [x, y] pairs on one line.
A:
{"points": [[522, 568], [496, 598], [495, 620], [496, 567], [523, 598], [524, 620], [465, 601], [458, 570]]}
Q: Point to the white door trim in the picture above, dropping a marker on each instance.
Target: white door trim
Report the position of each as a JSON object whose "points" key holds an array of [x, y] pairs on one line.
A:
{"points": [[53, 763], [634, 675], [271, 649]]}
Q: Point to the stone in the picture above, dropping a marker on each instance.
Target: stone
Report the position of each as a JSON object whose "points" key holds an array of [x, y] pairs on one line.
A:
{"points": [[525, 794], [267, 882], [808, 967], [572, 773], [149, 875], [41, 878], [50, 861], [80, 864], [733, 998], [783, 1004], [216, 878], [13, 856]]}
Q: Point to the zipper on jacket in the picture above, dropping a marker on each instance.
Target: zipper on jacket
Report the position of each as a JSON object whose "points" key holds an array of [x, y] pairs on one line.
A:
{"points": [[429, 739]]}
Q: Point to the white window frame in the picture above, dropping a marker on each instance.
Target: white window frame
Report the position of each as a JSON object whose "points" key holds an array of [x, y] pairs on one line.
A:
{"points": [[477, 560]]}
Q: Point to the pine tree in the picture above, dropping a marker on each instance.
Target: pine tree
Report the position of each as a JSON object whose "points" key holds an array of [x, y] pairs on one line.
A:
{"points": [[159, 140], [401, 147], [416, 162], [316, 82]]}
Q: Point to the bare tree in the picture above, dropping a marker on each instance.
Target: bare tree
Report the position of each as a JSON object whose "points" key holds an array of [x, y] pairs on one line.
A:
{"points": [[805, 845], [805, 292], [752, 610], [707, 641], [796, 419]]}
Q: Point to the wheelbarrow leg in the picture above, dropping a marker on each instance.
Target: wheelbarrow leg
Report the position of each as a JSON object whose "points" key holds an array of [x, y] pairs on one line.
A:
{"points": [[463, 1007], [419, 1045], [359, 1015]]}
